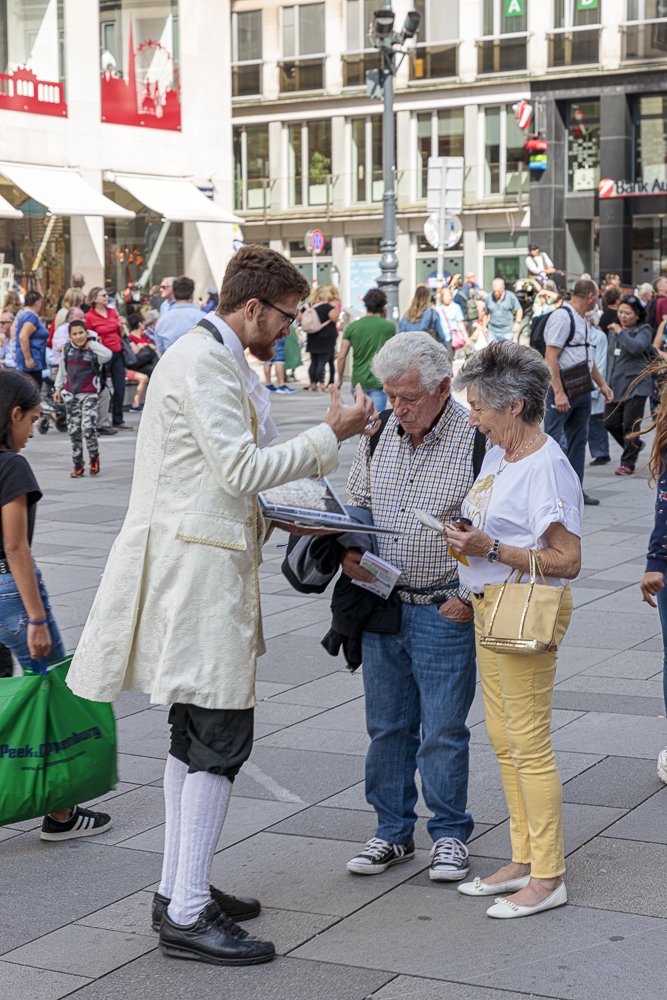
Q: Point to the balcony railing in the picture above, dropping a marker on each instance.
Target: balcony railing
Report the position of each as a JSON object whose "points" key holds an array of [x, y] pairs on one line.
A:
{"points": [[357, 64], [301, 74], [502, 53], [247, 79], [434, 62], [644, 40], [574, 47]]}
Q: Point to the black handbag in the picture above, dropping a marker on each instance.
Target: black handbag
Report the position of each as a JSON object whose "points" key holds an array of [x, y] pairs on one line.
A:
{"points": [[577, 379], [129, 356]]}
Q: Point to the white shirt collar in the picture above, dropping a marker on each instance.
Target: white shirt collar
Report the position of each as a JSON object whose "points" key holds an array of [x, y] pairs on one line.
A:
{"points": [[260, 397]]}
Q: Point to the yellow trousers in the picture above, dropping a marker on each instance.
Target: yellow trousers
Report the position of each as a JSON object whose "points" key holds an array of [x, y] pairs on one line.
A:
{"points": [[517, 699]]}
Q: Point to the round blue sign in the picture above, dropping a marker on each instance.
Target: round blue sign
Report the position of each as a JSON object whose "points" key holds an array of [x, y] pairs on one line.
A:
{"points": [[317, 241]]}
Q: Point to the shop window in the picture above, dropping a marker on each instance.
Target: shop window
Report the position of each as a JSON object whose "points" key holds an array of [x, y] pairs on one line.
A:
{"points": [[651, 138], [129, 243], [583, 145], [503, 45], [302, 65], [32, 57], [246, 53], [367, 184], [252, 186], [139, 63], [435, 54], [309, 163], [439, 133], [360, 57], [575, 40], [21, 261], [645, 32], [503, 152], [504, 256]]}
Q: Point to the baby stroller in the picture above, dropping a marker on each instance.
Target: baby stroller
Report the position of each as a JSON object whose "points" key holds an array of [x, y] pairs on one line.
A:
{"points": [[51, 411]]}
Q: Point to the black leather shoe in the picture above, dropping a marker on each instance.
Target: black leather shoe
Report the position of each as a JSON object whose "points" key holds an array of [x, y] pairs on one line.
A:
{"points": [[602, 460], [590, 501], [213, 938], [233, 907]]}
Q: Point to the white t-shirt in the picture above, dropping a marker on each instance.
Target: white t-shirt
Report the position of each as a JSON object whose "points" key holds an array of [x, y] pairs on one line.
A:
{"points": [[518, 504]]}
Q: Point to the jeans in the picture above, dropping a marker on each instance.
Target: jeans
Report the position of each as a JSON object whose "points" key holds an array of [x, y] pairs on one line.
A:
{"points": [[379, 397], [661, 601], [419, 687], [117, 374], [574, 424], [318, 363], [620, 420], [14, 625], [598, 439]]}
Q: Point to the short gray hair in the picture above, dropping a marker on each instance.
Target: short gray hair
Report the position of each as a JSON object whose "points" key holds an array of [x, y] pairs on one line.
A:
{"points": [[504, 372], [413, 351]]}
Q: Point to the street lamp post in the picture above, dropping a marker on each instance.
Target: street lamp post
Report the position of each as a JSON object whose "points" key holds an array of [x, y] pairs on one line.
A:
{"points": [[390, 45]]}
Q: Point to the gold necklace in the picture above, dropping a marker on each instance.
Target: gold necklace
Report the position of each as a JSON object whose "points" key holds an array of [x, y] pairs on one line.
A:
{"points": [[501, 467]]}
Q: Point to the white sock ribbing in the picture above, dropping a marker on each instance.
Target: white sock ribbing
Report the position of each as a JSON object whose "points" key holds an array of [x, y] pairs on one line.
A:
{"points": [[174, 776], [204, 803]]}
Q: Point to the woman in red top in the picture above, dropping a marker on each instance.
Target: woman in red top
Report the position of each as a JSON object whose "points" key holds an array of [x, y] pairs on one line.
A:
{"points": [[104, 321]]}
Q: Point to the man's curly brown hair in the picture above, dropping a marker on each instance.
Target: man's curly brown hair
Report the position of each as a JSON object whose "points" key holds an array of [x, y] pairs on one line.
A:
{"points": [[256, 272]]}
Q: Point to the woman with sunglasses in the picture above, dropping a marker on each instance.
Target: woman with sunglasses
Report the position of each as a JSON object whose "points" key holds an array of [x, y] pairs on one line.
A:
{"points": [[628, 355]]}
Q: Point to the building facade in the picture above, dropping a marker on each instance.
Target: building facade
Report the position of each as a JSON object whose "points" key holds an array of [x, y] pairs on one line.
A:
{"points": [[308, 147], [115, 157]]}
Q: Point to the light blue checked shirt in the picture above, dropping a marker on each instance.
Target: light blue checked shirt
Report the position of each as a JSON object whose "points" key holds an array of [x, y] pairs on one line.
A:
{"points": [[435, 477]]}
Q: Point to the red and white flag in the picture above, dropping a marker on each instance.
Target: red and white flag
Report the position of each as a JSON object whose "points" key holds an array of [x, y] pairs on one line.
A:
{"points": [[524, 112]]}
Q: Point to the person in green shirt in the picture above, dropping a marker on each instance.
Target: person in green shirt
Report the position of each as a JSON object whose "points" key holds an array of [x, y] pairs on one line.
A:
{"points": [[366, 336]]}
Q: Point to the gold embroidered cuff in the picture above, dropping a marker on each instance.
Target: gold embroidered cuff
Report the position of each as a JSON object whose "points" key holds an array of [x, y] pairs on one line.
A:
{"points": [[317, 453]]}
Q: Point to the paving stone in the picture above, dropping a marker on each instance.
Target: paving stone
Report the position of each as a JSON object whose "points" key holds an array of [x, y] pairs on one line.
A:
{"points": [[144, 734], [131, 915], [142, 770], [131, 702], [613, 735], [268, 689], [559, 719], [346, 718], [607, 874], [414, 988], [294, 660], [591, 702], [609, 630], [648, 822], [304, 873], [634, 664], [278, 713], [19, 982], [622, 782], [626, 688], [133, 812], [306, 776], [325, 692], [82, 951], [573, 659], [303, 737]]}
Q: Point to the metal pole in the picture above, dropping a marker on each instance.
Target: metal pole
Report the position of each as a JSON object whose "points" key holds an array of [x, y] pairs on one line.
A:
{"points": [[389, 279], [314, 268], [442, 219]]}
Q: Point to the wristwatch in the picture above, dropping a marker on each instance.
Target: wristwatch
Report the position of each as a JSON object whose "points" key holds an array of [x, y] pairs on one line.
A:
{"points": [[494, 554]]}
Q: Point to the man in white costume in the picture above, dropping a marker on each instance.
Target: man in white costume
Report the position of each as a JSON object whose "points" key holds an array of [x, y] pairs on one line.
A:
{"points": [[177, 613]]}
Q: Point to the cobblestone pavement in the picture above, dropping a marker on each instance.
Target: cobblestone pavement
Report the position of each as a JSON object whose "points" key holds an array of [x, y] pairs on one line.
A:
{"points": [[76, 915]]}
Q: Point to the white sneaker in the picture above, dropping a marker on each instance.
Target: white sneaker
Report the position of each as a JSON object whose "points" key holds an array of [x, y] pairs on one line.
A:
{"points": [[662, 766]]}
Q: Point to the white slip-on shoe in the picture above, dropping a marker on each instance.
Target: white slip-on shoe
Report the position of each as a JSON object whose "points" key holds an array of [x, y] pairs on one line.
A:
{"points": [[505, 909], [662, 765], [479, 888]]}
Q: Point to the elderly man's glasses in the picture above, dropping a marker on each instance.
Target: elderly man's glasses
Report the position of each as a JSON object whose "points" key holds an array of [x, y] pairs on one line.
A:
{"points": [[288, 316]]}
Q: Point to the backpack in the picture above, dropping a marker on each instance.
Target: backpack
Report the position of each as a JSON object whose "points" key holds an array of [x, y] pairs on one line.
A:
{"points": [[650, 315], [310, 320], [430, 329], [538, 326], [478, 448], [97, 366], [471, 307]]}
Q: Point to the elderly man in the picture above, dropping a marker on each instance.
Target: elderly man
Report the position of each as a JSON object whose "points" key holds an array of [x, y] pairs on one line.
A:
{"points": [[166, 294], [419, 683], [177, 614], [503, 312]]}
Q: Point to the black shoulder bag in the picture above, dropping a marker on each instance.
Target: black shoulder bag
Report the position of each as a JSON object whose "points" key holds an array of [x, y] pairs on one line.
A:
{"points": [[577, 379]]}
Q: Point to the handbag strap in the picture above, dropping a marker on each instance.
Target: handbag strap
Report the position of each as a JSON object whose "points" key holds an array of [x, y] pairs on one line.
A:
{"points": [[212, 328]]}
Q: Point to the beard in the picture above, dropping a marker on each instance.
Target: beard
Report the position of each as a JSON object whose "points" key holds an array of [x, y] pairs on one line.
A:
{"points": [[259, 344]]}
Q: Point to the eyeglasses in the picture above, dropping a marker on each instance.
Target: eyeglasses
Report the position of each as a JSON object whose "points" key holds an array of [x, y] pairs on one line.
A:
{"points": [[289, 316]]}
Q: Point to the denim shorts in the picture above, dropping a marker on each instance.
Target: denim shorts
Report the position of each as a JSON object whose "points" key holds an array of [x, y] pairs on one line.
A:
{"points": [[279, 352], [14, 625]]}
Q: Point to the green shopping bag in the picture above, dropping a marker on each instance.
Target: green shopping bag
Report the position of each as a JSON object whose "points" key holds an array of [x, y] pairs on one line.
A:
{"points": [[292, 351], [56, 749]]}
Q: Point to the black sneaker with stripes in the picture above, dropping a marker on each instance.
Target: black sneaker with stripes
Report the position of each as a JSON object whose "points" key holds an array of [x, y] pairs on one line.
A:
{"points": [[378, 855], [82, 823]]}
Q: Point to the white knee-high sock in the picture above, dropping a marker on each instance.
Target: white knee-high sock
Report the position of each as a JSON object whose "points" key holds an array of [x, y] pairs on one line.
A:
{"points": [[174, 776], [204, 805]]}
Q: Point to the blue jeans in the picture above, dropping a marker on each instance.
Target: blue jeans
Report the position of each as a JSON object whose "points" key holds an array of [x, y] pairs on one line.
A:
{"points": [[419, 687], [14, 626], [598, 438], [574, 425], [661, 601], [379, 397]]}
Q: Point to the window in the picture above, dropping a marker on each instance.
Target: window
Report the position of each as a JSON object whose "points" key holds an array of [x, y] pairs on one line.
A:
{"points": [[583, 145], [302, 67], [651, 138], [367, 159], [251, 167], [359, 57], [503, 152], [246, 53], [439, 133], [646, 38], [440, 23], [576, 37], [504, 255], [32, 57], [503, 47], [309, 163]]}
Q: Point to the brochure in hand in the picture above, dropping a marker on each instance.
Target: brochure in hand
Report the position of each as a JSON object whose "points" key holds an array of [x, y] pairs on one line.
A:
{"points": [[312, 503]]}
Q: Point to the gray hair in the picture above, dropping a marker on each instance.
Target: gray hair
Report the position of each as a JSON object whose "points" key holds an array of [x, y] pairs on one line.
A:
{"points": [[413, 351], [504, 372]]}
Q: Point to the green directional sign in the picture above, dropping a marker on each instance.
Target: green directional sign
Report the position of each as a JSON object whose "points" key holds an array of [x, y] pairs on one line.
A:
{"points": [[588, 4], [515, 8]]}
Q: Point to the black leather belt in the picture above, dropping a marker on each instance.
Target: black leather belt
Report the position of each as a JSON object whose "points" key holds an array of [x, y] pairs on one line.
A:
{"points": [[425, 596]]}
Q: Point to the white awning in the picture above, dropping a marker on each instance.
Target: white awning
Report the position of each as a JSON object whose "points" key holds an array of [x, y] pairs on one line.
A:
{"points": [[8, 211], [62, 191], [176, 199]]}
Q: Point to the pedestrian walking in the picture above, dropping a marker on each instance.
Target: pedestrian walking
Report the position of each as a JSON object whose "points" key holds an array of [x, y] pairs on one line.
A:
{"points": [[421, 315], [319, 324], [78, 385], [527, 500], [503, 312], [104, 322], [30, 338], [364, 338], [177, 614], [628, 356], [598, 437]]}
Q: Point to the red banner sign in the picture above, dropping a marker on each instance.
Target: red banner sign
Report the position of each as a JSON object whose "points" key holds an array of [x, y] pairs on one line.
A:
{"points": [[631, 189]]}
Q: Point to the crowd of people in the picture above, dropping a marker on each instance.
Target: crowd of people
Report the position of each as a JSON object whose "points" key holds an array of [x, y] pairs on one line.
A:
{"points": [[499, 486]]}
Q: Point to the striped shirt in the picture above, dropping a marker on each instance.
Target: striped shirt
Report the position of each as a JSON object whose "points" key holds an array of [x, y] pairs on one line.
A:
{"points": [[435, 477]]}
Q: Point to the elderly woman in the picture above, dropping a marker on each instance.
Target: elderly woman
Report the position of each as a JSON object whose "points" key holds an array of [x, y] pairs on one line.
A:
{"points": [[527, 497], [629, 344]]}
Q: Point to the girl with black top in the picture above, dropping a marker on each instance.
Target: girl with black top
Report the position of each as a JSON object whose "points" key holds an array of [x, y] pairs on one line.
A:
{"points": [[322, 345], [27, 626]]}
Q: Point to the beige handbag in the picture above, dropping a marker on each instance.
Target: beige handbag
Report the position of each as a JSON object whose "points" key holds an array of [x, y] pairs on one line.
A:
{"points": [[522, 618]]}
